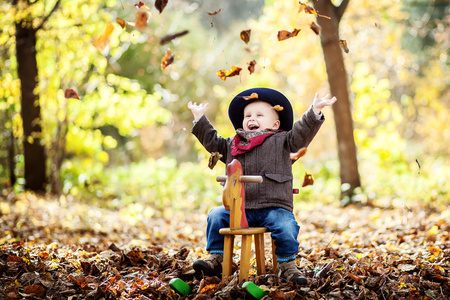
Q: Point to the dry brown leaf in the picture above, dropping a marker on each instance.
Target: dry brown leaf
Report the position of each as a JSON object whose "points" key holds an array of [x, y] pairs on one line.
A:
{"points": [[284, 34], [245, 35], [71, 94], [310, 10], [251, 66], [160, 5], [230, 73], [308, 180], [166, 39], [298, 154], [142, 5], [214, 13], [121, 22], [344, 46], [167, 59], [314, 27], [213, 159], [141, 20]]}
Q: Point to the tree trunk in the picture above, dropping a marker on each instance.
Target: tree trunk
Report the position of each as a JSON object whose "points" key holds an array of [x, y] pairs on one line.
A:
{"points": [[11, 162], [34, 151], [337, 78]]}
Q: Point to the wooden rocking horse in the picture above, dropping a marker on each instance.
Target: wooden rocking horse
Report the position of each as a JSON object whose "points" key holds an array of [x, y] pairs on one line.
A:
{"points": [[234, 200]]}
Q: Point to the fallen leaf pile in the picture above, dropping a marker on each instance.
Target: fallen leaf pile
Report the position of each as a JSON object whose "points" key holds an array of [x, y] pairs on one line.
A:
{"points": [[66, 250]]}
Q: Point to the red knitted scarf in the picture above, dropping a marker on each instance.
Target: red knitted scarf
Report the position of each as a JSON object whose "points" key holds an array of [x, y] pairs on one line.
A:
{"points": [[244, 141]]}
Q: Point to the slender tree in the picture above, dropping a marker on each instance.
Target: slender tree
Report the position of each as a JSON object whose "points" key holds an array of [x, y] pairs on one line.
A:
{"points": [[34, 149], [337, 78]]}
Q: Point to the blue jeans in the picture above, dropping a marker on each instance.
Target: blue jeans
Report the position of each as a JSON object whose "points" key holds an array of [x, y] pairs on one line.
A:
{"points": [[281, 222]]}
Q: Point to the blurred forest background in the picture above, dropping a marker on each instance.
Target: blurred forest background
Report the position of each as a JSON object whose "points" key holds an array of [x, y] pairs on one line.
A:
{"points": [[126, 143]]}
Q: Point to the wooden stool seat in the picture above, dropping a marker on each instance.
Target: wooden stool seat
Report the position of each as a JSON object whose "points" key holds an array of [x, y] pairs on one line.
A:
{"points": [[247, 235], [233, 198]]}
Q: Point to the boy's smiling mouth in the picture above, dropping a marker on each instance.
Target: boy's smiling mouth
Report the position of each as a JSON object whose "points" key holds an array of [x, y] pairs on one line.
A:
{"points": [[253, 127]]}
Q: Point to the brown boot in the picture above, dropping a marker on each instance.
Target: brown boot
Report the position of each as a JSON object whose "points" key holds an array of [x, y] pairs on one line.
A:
{"points": [[289, 271], [210, 266]]}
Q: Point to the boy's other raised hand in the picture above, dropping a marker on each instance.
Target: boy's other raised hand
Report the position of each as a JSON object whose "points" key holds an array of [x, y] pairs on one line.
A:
{"points": [[320, 103], [198, 110]]}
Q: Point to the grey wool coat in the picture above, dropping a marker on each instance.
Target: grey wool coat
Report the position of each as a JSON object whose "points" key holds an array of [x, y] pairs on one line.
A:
{"points": [[269, 159]]}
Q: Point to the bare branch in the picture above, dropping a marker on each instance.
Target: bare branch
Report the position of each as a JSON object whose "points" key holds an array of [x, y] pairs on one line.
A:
{"points": [[48, 16], [341, 9]]}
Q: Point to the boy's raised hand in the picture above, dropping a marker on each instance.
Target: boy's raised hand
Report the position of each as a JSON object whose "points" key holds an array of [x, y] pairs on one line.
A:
{"points": [[320, 103], [197, 110]]}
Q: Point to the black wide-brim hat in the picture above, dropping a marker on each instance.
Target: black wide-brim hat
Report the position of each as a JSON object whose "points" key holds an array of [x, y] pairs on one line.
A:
{"points": [[273, 97]]}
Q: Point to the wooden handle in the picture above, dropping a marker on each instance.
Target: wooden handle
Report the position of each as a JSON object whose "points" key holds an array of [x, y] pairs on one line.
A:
{"points": [[251, 178], [221, 178], [243, 178]]}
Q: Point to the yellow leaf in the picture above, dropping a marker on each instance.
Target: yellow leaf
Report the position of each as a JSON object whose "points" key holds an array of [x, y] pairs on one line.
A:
{"points": [[433, 230], [391, 247], [359, 255], [340, 268], [434, 250], [102, 40]]}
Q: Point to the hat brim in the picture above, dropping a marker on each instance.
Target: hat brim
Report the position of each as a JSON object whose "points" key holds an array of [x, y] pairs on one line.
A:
{"points": [[237, 105]]}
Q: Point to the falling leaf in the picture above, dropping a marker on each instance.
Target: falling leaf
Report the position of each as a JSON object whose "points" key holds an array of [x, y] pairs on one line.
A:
{"points": [[252, 96], [284, 34], [314, 27], [310, 10], [344, 45], [245, 35], [141, 20], [298, 154], [213, 159], [121, 22], [169, 37], [418, 165], [251, 66], [253, 49], [167, 59], [103, 39], [214, 13], [160, 5], [71, 94], [142, 5], [233, 72], [308, 180], [278, 107]]}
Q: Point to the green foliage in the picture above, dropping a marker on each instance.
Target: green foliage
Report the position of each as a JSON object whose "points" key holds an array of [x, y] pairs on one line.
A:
{"points": [[153, 187], [400, 99]]}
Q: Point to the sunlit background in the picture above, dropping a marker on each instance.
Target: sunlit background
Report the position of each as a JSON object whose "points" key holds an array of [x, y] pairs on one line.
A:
{"points": [[127, 144]]}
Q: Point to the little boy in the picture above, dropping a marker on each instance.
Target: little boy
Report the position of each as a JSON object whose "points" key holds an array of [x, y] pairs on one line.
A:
{"points": [[265, 136]]}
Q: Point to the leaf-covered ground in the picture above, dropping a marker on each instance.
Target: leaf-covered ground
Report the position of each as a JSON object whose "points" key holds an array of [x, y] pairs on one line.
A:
{"points": [[58, 249]]}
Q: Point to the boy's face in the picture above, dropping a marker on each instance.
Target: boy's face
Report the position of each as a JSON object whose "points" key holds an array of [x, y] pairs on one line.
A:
{"points": [[260, 115]]}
